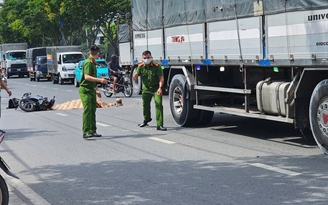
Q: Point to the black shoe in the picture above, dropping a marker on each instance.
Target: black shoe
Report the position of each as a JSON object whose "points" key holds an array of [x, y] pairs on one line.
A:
{"points": [[96, 134], [86, 136], [161, 128], [145, 123]]}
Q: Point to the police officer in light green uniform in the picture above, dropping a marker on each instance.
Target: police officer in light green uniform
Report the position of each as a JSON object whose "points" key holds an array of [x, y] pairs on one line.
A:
{"points": [[152, 77], [88, 91]]}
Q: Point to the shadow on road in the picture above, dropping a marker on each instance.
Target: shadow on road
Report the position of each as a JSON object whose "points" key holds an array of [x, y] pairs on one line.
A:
{"points": [[179, 182], [261, 129]]}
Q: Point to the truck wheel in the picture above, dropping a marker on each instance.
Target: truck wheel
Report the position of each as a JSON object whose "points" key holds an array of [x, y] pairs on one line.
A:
{"points": [[181, 106], [53, 78], [60, 80], [205, 117], [318, 115], [136, 84]]}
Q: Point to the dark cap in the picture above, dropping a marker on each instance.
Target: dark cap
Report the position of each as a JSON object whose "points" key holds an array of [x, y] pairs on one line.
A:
{"points": [[94, 48]]}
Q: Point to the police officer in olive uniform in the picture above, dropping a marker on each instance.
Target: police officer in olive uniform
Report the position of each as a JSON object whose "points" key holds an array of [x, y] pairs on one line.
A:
{"points": [[88, 91], [153, 80]]}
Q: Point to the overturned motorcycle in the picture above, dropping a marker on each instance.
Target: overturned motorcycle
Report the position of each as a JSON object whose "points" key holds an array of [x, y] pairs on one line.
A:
{"points": [[30, 103]]}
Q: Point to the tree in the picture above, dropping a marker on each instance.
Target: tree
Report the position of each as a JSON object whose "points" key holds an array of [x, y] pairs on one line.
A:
{"points": [[10, 23], [67, 23], [61, 22], [99, 16], [39, 29]]}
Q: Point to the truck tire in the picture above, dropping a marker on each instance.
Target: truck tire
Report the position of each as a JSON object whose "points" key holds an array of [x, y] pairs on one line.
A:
{"points": [[205, 117], [61, 81], [136, 84], [181, 106], [53, 78], [318, 114]]}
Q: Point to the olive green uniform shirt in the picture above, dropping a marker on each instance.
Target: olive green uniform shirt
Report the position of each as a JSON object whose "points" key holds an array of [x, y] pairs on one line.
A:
{"points": [[89, 67], [150, 74]]}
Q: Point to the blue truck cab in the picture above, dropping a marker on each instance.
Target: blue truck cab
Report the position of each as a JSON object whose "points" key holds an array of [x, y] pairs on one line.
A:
{"points": [[40, 68]]}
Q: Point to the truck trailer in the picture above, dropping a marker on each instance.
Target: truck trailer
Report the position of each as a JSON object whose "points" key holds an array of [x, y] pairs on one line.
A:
{"points": [[13, 59], [37, 63], [61, 62], [264, 59]]}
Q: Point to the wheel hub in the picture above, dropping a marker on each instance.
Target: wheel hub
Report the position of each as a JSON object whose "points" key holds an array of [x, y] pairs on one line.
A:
{"points": [[178, 100], [322, 117]]}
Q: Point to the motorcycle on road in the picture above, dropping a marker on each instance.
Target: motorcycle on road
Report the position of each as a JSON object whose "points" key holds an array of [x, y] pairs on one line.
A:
{"points": [[123, 85]]}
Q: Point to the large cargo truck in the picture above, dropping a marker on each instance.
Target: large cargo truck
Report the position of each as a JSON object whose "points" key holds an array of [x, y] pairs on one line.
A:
{"points": [[13, 59], [37, 63], [265, 59], [61, 62]]}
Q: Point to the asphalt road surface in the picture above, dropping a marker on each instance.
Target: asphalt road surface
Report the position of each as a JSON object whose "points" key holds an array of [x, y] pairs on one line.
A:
{"points": [[233, 160]]}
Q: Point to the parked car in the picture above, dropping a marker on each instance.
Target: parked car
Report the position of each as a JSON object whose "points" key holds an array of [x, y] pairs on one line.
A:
{"points": [[102, 71]]}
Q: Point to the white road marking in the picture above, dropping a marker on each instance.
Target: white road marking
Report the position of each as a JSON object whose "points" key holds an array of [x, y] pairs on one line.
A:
{"points": [[102, 124], [69, 90], [161, 140], [26, 191], [55, 88], [61, 114], [275, 169]]}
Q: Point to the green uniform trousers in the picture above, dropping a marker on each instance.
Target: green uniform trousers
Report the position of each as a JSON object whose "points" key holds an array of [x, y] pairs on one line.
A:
{"points": [[147, 95], [89, 99]]}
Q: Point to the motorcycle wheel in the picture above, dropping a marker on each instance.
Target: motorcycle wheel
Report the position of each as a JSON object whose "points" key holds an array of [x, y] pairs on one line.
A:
{"points": [[4, 194], [128, 90], [27, 105], [107, 89]]}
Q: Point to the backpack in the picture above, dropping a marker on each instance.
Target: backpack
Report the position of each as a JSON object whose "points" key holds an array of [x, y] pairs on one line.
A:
{"points": [[13, 103]]}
